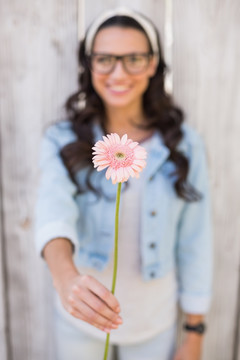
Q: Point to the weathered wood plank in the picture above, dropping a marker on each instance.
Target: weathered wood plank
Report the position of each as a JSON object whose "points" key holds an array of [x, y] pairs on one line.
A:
{"points": [[206, 56], [38, 70], [3, 290], [237, 329], [3, 334]]}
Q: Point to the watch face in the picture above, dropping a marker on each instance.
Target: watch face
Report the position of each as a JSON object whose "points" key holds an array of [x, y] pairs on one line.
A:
{"points": [[200, 328]]}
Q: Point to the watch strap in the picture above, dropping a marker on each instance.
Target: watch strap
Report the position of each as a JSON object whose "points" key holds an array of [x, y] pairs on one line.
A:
{"points": [[199, 328]]}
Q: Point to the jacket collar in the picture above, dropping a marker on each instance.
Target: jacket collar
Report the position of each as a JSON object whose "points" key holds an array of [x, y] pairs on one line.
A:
{"points": [[157, 154]]}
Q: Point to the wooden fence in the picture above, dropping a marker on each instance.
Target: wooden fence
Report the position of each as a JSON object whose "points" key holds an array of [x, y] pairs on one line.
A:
{"points": [[38, 68]]}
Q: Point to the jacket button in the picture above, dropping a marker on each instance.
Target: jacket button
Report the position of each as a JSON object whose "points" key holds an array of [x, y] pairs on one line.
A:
{"points": [[153, 213], [152, 245], [152, 274]]}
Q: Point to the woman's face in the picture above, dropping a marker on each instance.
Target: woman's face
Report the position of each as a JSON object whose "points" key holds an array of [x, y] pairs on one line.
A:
{"points": [[119, 88]]}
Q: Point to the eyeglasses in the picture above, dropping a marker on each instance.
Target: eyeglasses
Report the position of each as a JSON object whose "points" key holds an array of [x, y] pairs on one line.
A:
{"points": [[134, 63]]}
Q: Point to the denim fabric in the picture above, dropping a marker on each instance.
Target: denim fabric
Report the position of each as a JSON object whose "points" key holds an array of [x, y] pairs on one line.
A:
{"points": [[174, 233]]}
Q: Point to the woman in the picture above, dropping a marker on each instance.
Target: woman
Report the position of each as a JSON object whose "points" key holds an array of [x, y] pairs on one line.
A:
{"points": [[165, 235]]}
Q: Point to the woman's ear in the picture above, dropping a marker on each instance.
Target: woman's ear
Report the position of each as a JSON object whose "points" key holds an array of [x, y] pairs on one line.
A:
{"points": [[153, 66]]}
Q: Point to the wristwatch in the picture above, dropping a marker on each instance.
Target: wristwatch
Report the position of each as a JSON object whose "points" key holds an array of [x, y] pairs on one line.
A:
{"points": [[198, 328]]}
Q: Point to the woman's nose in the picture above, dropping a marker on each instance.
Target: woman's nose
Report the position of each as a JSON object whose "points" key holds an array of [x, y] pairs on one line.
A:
{"points": [[118, 70]]}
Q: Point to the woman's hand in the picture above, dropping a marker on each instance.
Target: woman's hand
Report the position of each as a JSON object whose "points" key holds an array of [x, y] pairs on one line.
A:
{"points": [[87, 299], [191, 348], [81, 295]]}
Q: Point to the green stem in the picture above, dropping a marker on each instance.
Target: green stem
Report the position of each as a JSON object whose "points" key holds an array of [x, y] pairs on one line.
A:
{"points": [[115, 258]]}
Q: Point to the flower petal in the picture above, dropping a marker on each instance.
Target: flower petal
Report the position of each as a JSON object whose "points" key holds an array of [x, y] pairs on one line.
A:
{"points": [[108, 173], [100, 168], [124, 139]]}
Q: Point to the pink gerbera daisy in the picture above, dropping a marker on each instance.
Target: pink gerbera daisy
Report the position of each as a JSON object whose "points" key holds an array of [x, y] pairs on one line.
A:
{"points": [[122, 156]]}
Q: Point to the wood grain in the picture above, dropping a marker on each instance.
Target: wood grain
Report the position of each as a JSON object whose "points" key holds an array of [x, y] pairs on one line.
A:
{"points": [[206, 82], [3, 299], [38, 72], [237, 327]]}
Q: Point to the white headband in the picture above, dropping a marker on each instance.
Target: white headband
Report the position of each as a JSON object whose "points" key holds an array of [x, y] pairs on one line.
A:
{"points": [[146, 25]]}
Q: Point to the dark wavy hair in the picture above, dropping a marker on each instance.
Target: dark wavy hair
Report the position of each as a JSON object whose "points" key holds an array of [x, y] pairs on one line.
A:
{"points": [[84, 106]]}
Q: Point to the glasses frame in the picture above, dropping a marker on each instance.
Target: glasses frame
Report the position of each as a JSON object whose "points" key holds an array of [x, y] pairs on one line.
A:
{"points": [[148, 56]]}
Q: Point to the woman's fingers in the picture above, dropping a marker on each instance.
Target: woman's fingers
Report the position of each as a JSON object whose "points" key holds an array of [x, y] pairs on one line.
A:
{"points": [[80, 316], [97, 304], [101, 291], [89, 300], [83, 311]]}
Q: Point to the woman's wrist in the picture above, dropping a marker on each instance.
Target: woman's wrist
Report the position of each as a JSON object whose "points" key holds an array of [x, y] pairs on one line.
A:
{"points": [[194, 337], [194, 319], [65, 276], [58, 255], [194, 327]]}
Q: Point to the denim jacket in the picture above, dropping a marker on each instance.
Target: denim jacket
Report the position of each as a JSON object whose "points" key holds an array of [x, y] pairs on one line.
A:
{"points": [[175, 234]]}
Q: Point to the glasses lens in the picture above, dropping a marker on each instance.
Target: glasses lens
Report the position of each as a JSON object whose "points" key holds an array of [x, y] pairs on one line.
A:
{"points": [[102, 64], [136, 63]]}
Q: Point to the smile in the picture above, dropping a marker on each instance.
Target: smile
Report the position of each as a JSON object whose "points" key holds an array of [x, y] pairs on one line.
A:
{"points": [[120, 89]]}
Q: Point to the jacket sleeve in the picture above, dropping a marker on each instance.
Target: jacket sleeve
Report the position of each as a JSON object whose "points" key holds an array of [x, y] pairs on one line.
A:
{"points": [[56, 211], [194, 245]]}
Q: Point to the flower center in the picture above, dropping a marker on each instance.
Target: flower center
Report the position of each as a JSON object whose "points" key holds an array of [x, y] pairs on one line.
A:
{"points": [[119, 155]]}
